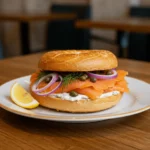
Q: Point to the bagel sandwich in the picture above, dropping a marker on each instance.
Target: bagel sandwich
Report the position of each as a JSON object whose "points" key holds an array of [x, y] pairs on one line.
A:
{"points": [[78, 81]]}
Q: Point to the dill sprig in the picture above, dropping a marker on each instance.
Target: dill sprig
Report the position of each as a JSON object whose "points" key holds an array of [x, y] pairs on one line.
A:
{"points": [[42, 74], [69, 78]]}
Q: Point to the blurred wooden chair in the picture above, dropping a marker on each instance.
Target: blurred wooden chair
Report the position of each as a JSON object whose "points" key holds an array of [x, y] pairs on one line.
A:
{"points": [[1, 51], [63, 34], [137, 44]]}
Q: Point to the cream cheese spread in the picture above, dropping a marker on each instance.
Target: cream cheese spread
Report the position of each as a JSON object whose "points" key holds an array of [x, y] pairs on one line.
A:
{"points": [[66, 96]]}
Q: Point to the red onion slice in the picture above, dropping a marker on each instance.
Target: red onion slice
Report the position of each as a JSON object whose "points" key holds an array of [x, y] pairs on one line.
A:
{"points": [[52, 91], [53, 80], [103, 77]]}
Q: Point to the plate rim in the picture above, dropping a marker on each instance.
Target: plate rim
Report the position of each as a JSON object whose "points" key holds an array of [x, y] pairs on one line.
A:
{"points": [[76, 118], [73, 118]]}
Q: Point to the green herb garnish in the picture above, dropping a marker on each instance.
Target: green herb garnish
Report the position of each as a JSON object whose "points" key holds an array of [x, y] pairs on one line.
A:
{"points": [[67, 79], [42, 74], [71, 77]]}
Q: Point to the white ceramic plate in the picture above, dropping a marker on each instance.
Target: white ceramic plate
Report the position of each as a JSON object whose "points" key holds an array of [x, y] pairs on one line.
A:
{"points": [[137, 101]]}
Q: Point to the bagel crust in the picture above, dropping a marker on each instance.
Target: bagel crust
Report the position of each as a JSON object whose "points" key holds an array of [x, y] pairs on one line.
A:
{"points": [[78, 60], [81, 106]]}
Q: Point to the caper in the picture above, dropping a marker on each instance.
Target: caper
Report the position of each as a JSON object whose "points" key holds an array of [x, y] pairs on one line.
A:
{"points": [[84, 77], [109, 72], [48, 79], [73, 94], [93, 79]]}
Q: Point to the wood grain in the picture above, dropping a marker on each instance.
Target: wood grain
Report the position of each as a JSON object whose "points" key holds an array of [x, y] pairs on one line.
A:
{"points": [[21, 133], [26, 17], [122, 24]]}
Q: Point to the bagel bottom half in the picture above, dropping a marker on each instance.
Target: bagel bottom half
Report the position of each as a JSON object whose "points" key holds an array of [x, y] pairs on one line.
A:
{"points": [[82, 106]]}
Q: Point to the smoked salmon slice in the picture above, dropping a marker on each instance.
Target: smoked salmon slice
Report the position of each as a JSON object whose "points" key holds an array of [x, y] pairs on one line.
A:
{"points": [[92, 90]]}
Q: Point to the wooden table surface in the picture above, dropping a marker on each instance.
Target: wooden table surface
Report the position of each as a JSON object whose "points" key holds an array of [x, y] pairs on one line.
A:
{"points": [[21, 133], [129, 24], [27, 17]]}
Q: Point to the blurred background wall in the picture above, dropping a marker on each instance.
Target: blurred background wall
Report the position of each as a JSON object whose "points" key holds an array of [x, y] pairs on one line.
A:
{"points": [[9, 32], [107, 9], [145, 2], [38, 29]]}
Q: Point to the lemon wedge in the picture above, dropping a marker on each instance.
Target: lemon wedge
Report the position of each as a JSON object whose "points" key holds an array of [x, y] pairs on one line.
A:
{"points": [[22, 98]]}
